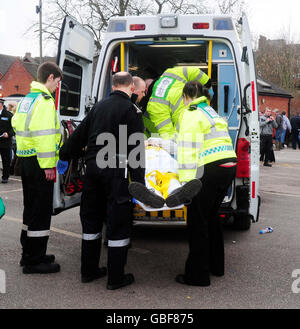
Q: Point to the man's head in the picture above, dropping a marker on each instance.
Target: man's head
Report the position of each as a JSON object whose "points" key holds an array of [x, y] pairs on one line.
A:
{"points": [[139, 88], [49, 74], [1, 103], [12, 106], [123, 81], [268, 112], [283, 113]]}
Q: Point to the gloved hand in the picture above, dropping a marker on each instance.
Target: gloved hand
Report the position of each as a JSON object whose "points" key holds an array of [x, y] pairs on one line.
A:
{"points": [[62, 166], [211, 92]]}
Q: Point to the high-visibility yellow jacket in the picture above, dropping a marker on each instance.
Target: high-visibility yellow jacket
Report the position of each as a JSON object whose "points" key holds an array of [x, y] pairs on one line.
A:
{"points": [[203, 138], [37, 126], [166, 102]]}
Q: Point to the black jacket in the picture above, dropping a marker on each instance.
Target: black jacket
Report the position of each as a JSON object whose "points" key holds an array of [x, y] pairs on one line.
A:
{"points": [[5, 126], [103, 121], [295, 123]]}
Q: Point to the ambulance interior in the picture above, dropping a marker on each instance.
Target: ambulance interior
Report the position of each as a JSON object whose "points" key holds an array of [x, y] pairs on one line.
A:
{"points": [[149, 59]]}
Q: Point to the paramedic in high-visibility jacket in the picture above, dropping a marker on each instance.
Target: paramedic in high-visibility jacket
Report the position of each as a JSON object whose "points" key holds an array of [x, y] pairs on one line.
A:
{"points": [[166, 102], [205, 152], [38, 138]]}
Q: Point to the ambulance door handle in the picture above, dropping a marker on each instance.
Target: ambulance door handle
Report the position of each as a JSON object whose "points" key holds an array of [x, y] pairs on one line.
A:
{"points": [[226, 94]]}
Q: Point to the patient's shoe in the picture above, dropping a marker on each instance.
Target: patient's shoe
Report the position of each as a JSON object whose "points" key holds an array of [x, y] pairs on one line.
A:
{"points": [[144, 195], [184, 194]]}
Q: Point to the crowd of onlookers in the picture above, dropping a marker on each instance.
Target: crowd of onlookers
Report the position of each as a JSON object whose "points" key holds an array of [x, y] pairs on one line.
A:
{"points": [[277, 131]]}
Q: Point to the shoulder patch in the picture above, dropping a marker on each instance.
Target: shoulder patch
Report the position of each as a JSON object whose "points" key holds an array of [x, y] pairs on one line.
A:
{"points": [[26, 104], [163, 86]]}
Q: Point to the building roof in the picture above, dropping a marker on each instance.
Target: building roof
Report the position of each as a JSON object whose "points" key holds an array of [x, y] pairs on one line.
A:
{"points": [[31, 68], [269, 89], [5, 62]]}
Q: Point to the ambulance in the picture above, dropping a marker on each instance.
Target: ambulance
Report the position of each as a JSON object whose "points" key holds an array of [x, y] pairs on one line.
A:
{"points": [[145, 45]]}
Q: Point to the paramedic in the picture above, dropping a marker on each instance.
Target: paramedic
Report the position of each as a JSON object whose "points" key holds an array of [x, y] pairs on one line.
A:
{"points": [[205, 151], [105, 193], [166, 101], [38, 139]]}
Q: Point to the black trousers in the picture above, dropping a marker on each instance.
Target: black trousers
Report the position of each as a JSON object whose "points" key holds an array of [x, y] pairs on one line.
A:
{"points": [[105, 196], [266, 144], [38, 203], [206, 243], [295, 139], [5, 156]]}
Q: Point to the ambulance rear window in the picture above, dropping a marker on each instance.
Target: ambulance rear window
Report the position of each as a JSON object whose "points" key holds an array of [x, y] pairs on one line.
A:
{"points": [[222, 24]]}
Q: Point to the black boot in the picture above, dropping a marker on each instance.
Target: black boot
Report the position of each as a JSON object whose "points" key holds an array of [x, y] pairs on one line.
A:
{"points": [[184, 194], [41, 268], [47, 259], [90, 257], [143, 194], [116, 261]]}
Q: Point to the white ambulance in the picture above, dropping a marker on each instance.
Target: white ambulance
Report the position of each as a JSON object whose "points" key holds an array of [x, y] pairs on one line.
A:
{"points": [[144, 45]]}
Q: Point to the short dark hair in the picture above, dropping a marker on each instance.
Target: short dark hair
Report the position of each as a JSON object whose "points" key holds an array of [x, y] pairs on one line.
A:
{"points": [[122, 79], [194, 89], [283, 113], [47, 68]]}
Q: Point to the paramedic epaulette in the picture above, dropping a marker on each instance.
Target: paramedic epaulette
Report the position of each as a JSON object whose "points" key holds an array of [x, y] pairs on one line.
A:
{"points": [[46, 96], [193, 107], [137, 109]]}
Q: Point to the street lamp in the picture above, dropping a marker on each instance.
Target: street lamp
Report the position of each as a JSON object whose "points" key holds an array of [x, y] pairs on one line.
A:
{"points": [[38, 10]]}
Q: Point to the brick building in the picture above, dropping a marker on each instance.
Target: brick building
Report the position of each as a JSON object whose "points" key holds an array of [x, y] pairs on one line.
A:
{"points": [[17, 73], [273, 97]]}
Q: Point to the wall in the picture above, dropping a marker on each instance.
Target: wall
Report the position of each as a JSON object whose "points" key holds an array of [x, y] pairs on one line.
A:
{"points": [[273, 103], [16, 75]]}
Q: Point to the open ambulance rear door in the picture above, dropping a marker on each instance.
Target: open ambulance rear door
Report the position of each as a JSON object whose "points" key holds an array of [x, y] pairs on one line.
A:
{"points": [[250, 116], [73, 98]]}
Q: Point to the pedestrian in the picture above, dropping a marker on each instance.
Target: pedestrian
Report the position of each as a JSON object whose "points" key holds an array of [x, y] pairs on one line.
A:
{"points": [[38, 138], [267, 123], [105, 194], [6, 134], [295, 123], [166, 101], [286, 126], [205, 152], [279, 129]]}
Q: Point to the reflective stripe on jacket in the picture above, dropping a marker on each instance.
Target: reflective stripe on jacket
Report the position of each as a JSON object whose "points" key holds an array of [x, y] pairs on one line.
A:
{"points": [[203, 138], [37, 126], [166, 102]]}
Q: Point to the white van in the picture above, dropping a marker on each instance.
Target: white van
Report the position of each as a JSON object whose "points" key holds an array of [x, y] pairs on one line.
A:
{"points": [[143, 45]]}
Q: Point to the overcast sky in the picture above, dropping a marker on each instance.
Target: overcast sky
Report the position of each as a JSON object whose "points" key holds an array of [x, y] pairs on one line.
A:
{"points": [[272, 18]]}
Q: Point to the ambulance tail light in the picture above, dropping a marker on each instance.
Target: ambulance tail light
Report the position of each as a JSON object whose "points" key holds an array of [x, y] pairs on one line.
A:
{"points": [[137, 27], [243, 155], [200, 26]]}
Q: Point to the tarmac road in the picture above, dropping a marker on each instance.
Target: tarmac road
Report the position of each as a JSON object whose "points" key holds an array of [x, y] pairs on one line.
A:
{"points": [[258, 269]]}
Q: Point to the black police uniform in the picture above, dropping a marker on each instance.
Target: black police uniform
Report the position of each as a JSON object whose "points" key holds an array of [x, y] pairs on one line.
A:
{"points": [[105, 193], [6, 143]]}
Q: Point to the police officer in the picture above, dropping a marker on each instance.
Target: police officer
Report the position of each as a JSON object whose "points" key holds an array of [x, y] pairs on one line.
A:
{"points": [[38, 139], [6, 133], [205, 151], [105, 193], [166, 101]]}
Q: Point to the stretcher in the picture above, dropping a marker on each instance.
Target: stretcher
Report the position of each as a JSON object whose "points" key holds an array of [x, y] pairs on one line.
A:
{"points": [[160, 163]]}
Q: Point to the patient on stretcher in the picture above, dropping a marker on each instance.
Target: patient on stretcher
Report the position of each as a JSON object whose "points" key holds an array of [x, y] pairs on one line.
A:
{"points": [[162, 184]]}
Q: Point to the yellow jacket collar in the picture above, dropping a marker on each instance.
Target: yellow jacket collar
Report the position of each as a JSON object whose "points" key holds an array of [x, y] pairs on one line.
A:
{"points": [[39, 87], [199, 100]]}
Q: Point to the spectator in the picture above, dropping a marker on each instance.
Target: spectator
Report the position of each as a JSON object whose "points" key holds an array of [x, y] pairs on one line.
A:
{"points": [[295, 123], [279, 129], [12, 106], [267, 123], [286, 126]]}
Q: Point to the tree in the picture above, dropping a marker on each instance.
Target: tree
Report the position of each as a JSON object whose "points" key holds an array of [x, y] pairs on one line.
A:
{"points": [[95, 14]]}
